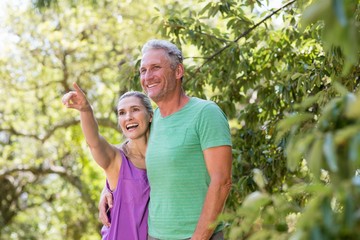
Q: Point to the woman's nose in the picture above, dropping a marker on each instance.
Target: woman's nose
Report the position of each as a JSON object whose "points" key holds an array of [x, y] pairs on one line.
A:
{"points": [[129, 116]]}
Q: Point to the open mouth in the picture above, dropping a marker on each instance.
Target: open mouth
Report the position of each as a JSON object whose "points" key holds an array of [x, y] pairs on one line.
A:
{"points": [[131, 126], [152, 85]]}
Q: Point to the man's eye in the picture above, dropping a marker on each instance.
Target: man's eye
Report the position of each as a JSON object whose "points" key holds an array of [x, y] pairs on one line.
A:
{"points": [[121, 113]]}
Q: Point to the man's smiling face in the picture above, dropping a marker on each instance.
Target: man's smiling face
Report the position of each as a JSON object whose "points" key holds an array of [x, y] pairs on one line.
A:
{"points": [[157, 77]]}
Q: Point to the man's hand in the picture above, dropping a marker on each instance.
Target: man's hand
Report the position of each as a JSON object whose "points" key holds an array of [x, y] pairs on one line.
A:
{"points": [[76, 99], [105, 204]]}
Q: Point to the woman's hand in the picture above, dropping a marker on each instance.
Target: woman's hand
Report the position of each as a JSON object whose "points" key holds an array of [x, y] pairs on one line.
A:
{"points": [[76, 99]]}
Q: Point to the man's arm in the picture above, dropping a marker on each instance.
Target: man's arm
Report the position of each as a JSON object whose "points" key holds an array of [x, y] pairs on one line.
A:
{"points": [[218, 162]]}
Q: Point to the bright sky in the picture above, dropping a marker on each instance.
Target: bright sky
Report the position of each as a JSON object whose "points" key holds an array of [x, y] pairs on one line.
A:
{"points": [[7, 41], [4, 4]]}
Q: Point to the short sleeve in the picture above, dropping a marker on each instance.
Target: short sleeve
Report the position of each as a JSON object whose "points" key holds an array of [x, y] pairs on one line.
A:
{"points": [[213, 127]]}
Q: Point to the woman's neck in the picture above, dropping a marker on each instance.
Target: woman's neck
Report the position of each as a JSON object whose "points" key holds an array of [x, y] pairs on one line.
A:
{"points": [[135, 151]]}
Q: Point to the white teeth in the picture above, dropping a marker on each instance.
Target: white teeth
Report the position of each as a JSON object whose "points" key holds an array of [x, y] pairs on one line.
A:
{"points": [[131, 125], [151, 85]]}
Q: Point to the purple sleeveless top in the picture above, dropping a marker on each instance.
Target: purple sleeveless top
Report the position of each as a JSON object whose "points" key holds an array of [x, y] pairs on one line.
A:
{"points": [[129, 214]]}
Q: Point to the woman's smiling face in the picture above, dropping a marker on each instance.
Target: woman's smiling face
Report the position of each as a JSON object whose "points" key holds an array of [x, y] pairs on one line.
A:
{"points": [[133, 117]]}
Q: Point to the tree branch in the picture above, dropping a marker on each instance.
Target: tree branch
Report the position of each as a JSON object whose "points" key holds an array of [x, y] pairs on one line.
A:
{"points": [[33, 169], [208, 59], [105, 122], [41, 170]]}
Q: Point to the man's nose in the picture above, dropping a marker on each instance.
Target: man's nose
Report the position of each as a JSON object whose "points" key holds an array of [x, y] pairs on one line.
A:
{"points": [[148, 75]]}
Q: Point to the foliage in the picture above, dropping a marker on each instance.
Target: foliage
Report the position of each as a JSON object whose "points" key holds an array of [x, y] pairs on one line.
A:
{"points": [[330, 146], [286, 77], [279, 83], [45, 164]]}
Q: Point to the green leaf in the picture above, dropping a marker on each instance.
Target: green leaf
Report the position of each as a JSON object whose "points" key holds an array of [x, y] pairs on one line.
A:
{"points": [[259, 178], [352, 109], [328, 215], [297, 189], [315, 157], [311, 216], [296, 150], [309, 101], [315, 12], [256, 200], [354, 150], [342, 136], [330, 153], [340, 88], [315, 233], [338, 6], [296, 75], [350, 219], [286, 124]]}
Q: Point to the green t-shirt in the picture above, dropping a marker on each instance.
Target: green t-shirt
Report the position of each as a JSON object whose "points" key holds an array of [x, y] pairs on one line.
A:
{"points": [[176, 168]]}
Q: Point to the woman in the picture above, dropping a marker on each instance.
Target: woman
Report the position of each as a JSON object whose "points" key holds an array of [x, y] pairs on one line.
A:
{"points": [[124, 166]]}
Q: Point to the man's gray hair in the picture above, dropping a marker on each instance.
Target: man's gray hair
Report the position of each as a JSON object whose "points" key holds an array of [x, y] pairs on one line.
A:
{"points": [[175, 55]]}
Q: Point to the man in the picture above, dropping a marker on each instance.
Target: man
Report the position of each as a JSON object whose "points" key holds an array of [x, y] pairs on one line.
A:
{"points": [[188, 157]]}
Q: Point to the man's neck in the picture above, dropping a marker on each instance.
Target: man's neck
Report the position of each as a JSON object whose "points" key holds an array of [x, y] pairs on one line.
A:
{"points": [[173, 105]]}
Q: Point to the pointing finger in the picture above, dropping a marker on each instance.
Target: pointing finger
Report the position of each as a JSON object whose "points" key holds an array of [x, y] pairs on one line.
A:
{"points": [[77, 88]]}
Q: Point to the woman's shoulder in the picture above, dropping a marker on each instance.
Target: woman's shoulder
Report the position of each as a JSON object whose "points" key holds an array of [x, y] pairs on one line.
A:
{"points": [[121, 146]]}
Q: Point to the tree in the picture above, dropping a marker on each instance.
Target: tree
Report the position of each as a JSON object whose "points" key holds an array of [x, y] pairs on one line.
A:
{"points": [[279, 82], [50, 184]]}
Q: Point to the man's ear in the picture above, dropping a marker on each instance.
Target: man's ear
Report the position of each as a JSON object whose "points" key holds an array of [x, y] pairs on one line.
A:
{"points": [[179, 71]]}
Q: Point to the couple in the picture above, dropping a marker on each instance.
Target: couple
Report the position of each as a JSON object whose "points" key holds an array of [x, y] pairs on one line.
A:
{"points": [[188, 155]]}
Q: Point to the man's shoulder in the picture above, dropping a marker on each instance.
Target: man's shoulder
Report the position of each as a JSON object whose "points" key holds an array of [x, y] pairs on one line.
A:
{"points": [[201, 102], [204, 105]]}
